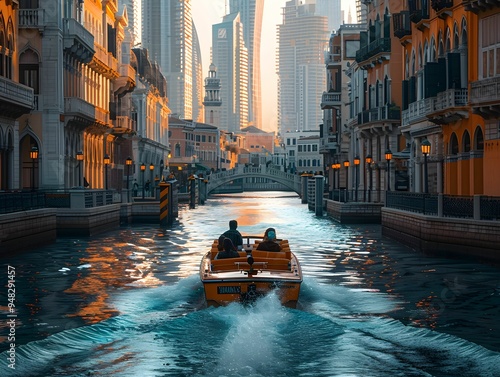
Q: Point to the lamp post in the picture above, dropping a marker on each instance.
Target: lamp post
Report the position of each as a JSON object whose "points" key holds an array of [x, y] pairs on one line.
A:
{"points": [[79, 158], [162, 166], [346, 165], [107, 160], [34, 157], [388, 158], [369, 160], [143, 169], [356, 172], [426, 149], [151, 180], [128, 162]]}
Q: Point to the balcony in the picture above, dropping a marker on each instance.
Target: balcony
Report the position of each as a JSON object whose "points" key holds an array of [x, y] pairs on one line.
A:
{"points": [[450, 106], [79, 110], [419, 13], [380, 114], [485, 97], [333, 59], [32, 19], [15, 99], [478, 6], [401, 23], [442, 7], [78, 41], [123, 125], [375, 52], [331, 100], [328, 144], [104, 62], [125, 83], [417, 111]]}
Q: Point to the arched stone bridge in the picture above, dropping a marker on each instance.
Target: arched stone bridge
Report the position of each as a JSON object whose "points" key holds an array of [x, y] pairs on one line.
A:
{"points": [[292, 181]]}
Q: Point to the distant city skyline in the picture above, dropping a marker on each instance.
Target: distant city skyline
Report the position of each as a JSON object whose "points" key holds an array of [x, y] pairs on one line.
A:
{"points": [[208, 13]]}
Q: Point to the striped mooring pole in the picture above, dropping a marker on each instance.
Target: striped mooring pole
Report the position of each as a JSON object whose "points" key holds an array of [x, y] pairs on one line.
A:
{"points": [[164, 192]]}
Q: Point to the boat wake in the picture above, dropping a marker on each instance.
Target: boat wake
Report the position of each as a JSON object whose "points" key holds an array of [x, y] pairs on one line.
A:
{"points": [[166, 331]]}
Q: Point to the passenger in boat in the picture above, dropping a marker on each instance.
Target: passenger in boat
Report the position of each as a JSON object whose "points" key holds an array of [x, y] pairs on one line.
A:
{"points": [[229, 250], [269, 242], [220, 243], [234, 235]]}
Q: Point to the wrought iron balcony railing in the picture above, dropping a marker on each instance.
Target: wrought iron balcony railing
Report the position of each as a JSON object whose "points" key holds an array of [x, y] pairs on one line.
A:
{"points": [[378, 46], [401, 23]]}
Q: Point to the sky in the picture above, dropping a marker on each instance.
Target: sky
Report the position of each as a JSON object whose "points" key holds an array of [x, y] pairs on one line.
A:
{"points": [[209, 12]]}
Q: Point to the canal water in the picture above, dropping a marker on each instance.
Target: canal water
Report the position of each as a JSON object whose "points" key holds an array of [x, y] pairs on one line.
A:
{"points": [[130, 303]]}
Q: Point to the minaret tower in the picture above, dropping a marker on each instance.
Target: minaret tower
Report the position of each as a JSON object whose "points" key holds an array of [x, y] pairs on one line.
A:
{"points": [[212, 101]]}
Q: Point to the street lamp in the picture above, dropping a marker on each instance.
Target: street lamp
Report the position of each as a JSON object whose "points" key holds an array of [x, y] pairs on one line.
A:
{"points": [[151, 170], [426, 149], [162, 166], [388, 158], [356, 172], [34, 157], [128, 162], [79, 158], [369, 160], [143, 169], [107, 160]]}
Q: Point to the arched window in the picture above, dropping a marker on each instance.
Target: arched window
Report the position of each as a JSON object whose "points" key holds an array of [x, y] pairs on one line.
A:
{"points": [[177, 151], [28, 70], [466, 142], [448, 40], [441, 45], [478, 139], [453, 144], [456, 38]]}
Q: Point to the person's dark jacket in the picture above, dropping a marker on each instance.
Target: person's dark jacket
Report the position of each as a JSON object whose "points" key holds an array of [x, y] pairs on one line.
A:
{"points": [[269, 245], [228, 252], [234, 236]]}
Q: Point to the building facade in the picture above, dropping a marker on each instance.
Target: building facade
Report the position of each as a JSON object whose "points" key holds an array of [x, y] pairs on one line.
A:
{"points": [[302, 41], [251, 13], [17, 169], [169, 34], [230, 56]]}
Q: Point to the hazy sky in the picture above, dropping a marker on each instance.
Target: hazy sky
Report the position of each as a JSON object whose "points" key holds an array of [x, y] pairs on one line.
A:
{"points": [[209, 12]]}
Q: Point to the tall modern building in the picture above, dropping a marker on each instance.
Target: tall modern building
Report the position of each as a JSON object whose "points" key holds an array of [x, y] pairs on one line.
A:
{"points": [[198, 112], [230, 56], [331, 9], [168, 34], [251, 12], [302, 41]]}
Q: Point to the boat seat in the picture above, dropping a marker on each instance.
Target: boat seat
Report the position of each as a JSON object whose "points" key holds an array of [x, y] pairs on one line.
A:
{"points": [[285, 254], [274, 263], [226, 264]]}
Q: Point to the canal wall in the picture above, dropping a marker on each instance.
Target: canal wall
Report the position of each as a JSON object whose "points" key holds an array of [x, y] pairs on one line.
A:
{"points": [[27, 229], [88, 221], [354, 212], [443, 235]]}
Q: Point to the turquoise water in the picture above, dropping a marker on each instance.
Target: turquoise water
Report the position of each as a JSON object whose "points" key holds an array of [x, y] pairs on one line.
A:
{"points": [[130, 303]]}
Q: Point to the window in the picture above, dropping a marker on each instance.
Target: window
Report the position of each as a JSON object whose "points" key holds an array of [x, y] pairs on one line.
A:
{"points": [[490, 46], [28, 70], [315, 148], [350, 49]]}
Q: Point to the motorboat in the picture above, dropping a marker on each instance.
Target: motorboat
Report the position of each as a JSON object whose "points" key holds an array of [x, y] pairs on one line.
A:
{"points": [[253, 274]]}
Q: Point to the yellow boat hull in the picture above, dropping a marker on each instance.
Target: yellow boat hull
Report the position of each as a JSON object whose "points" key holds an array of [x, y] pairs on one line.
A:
{"points": [[235, 280]]}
